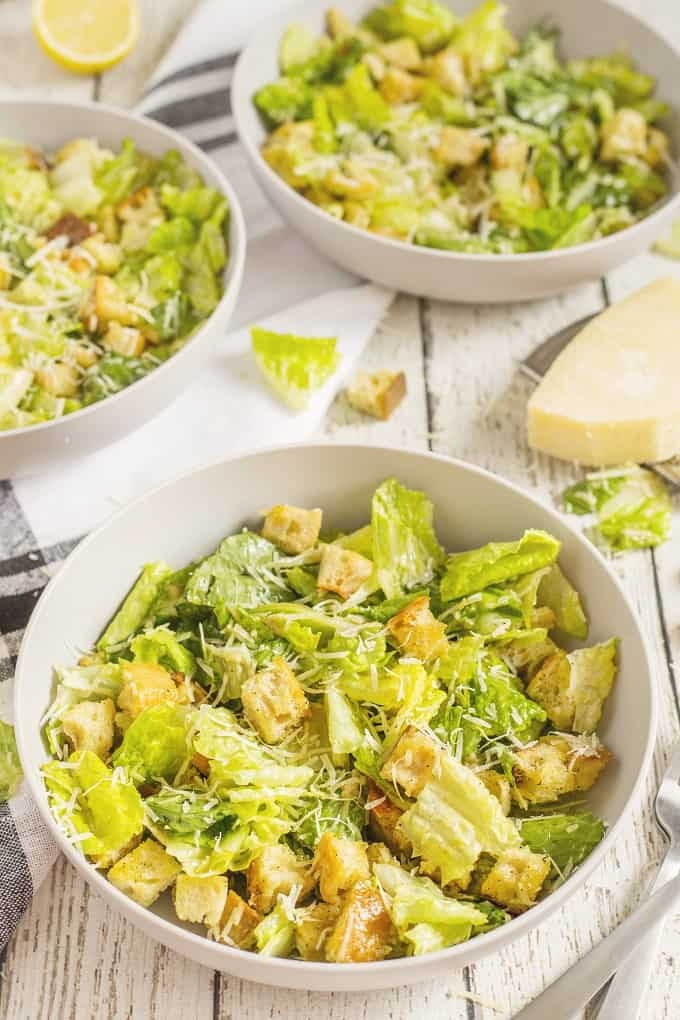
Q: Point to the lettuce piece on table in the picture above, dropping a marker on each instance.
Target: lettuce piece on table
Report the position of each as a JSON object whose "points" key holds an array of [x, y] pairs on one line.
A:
{"points": [[454, 820], [632, 507], [566, 838], [136, 605], [405, 547], [11, 772], [470, 572], [429, 23], [294, 366], [155, 744]]}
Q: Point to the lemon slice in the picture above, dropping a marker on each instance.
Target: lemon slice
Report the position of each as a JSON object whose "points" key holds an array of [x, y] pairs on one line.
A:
{"points": [[86, 35]]}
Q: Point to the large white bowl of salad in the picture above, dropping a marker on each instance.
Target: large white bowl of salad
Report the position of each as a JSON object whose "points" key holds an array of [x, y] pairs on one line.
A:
{"points": [[363, 716], [465, 151], [121, 254]]}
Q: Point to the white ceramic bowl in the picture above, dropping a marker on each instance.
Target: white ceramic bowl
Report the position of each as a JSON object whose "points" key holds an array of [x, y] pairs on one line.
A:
{"points": [[587, 27], [187, 519], [48, 125]]}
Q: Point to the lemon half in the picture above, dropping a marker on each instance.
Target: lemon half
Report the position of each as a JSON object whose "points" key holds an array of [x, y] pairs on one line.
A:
{"points": [[86, 35]]}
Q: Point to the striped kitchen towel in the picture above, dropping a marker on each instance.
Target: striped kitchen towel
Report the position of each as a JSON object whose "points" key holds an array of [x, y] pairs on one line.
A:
{"points": [[42, 518]]}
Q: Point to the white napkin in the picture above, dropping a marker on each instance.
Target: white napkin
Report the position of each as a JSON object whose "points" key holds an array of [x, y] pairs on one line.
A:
{"points": [[228, 409]]}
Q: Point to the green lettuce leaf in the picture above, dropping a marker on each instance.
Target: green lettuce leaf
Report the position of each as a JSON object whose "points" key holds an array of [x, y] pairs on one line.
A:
{"points": [[294, 366], [555, 592], [238, 572], [75, 684], [593, 671], [632, 507], [344, 817], [566, 838], [298, 45], [161, 647], [405, 547], [91, 803], [187, 811], [429, 23], [345, 731], [11, 772], [470, 572], [136, 606], [284, 100], [454, 820], [155, 744], [422, 914], [483, 41], [227, 668], [275, 934]]}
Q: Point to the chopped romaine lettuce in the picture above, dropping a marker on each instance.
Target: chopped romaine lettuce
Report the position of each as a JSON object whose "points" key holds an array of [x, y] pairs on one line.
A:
{"points": [[405, 548], [429, 23], [567, 839], [294, 366], [632, 507], [11, 772], [592, 677], [136, 605], [239, 572], [161, 646], [555, 592], [155, 744], [275, 934], [470, 572], [454, 820]]}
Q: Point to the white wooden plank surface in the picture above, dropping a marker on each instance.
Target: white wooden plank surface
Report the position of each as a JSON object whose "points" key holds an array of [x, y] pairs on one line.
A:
{"points": [[72, 957]]}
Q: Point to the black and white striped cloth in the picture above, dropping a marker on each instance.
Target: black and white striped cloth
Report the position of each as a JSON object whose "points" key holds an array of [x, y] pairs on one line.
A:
{"points": [[42, 519]]}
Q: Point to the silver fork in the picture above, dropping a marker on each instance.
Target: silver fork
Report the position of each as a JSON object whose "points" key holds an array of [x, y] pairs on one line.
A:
{"points": [[540, 360], [633, 945], [629, 986]]}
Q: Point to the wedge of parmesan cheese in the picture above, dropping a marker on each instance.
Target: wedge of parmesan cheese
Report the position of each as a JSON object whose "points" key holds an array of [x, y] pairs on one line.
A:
{"points": [[613, 395]]}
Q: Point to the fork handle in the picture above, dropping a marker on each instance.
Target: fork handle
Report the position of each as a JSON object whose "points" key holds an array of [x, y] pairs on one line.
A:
{"points": [[629, 986], [577, 985]]}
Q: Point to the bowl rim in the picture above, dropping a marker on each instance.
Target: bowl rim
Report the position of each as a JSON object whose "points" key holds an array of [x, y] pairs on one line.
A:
{"points": [[167, 931], [240, 101], [233, 270]]}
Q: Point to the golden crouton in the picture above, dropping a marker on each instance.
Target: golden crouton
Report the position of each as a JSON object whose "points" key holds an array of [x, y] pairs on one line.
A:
{"points": [[238, 922], [623, 135], [106, 304], [108, 224], [397, 86], [555, 765], [383, 817], [417, 632], [338, 863], [58, 378], [276, 870], [509, 152], [364, 929], [313, 925], [83, 353], [525, 657], [124, 340], [499, 786], [144, 685], [274, 702], [550, 687], [200, 899], [378, 394], [145, 872], [516, 879], [413, 762], [357, 214], [291, 528], [342, 571], [402, 53], [107, 858], [460, 147], [89, 726], [447, 69]]}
